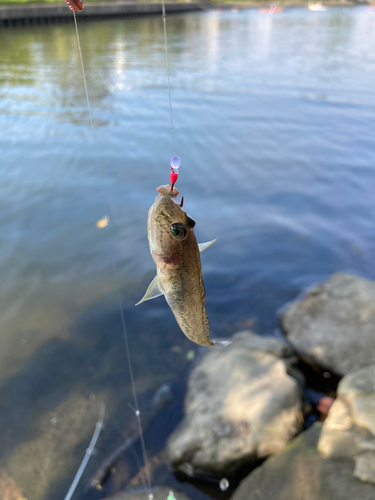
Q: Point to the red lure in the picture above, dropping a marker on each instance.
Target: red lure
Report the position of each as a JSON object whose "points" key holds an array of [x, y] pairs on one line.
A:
{"points": [[75, 5]]}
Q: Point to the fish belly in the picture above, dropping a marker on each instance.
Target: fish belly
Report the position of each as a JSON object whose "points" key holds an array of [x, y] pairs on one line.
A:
{"points": [[190, 315]]}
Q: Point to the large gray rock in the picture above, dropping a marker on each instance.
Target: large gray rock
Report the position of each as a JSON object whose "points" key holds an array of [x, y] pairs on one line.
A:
{"points": [[334, 324], [241, 406], [300, 473], [349, 430]]}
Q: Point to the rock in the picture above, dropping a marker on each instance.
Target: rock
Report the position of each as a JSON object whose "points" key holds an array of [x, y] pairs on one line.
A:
{"points": [[365, 467], [242, 405], [9, 490], [268, 343], [334, 324], [349, 430], [159, 493], [300, 473]]}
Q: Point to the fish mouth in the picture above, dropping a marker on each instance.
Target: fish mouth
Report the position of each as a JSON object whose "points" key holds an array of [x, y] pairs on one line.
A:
{"points": [[166, 190]]}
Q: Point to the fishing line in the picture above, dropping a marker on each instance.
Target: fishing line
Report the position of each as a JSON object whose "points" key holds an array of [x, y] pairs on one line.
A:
{"points": [[117, 280], [169, 80]]}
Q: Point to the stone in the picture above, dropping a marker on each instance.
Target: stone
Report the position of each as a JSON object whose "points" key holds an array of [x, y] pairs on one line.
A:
{"points": [[242, 405], [365, 467], [334, 323], [349, 430], [9, 490], [299, 473]]}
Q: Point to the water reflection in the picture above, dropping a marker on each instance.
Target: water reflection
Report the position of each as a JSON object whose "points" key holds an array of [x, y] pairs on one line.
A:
{"points": [[116, 52], [274, 118]]}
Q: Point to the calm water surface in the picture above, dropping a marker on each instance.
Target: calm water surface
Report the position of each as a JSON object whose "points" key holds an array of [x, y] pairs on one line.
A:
{"points": [[274, 123]]}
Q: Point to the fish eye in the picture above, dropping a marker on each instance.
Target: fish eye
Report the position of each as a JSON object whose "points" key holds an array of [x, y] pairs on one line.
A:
{"points": [[178, 231]]}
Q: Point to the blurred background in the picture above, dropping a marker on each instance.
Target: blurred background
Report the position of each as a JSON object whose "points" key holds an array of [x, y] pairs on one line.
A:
{"points": [[274, 123]]}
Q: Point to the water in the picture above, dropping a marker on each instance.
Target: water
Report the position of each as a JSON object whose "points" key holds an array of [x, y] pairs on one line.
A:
{"points": [[274, 119]]}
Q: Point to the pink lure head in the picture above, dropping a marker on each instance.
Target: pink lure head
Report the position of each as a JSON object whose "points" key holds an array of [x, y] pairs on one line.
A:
{"points": [[173, 176]]}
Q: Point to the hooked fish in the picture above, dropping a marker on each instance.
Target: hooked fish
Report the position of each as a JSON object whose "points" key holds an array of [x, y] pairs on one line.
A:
{"points": [[175, 252]]}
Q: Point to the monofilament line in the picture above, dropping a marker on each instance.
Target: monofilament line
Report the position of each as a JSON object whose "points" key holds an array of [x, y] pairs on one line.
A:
{"points": [[169, 80], [83, 73], [123, 324]]}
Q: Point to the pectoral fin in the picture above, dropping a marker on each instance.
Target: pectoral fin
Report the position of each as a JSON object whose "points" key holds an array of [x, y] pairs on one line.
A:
{"points": [[154, 290], [203, 246]]}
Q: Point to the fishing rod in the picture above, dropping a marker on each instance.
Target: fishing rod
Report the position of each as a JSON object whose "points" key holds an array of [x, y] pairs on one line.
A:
{"points": [[89, 452]]}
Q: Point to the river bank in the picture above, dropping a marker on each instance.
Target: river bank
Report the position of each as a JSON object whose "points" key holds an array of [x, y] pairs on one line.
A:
{"points": [[37, 13], [47, 13]]}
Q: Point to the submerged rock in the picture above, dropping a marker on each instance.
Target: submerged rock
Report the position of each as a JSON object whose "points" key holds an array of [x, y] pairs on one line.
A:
{"points": [[349, 430], [242, 405], [9, 490], [334, 324], [300, 473]]}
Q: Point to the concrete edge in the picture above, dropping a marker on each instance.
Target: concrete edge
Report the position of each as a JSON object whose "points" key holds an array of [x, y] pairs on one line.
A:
{"points": [[25, 14]]}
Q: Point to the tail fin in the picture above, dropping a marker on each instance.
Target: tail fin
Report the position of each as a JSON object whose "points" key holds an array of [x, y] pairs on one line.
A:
{"points": [[221, 343]]}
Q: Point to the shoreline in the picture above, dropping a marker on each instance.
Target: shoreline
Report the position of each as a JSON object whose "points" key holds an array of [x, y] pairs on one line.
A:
{"points": [[51, 13], [23, 14]]}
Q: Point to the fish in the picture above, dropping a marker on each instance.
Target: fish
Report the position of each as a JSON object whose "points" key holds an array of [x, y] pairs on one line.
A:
{"points": [[176, 253]]}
